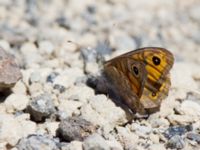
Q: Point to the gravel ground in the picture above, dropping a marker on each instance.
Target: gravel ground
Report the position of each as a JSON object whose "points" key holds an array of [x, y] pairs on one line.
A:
{"points": [[58, 44]]}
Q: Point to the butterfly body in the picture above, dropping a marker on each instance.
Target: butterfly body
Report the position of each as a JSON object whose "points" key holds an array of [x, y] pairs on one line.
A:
{"points": [[141, 77]]}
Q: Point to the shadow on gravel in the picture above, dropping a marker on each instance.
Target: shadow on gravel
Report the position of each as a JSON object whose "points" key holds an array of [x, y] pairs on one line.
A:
{"points": [[98, 83], [4, 94]]}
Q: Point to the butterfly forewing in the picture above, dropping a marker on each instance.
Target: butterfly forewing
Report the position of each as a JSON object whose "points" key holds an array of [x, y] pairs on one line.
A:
{"points": [[124, 82]]}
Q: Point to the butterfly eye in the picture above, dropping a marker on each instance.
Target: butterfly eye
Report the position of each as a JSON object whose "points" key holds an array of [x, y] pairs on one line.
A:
{"points": [[135, 70], [156, 60]]}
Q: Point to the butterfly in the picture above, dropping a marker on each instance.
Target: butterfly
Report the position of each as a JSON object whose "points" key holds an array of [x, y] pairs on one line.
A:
{"points": [[140, 78]]}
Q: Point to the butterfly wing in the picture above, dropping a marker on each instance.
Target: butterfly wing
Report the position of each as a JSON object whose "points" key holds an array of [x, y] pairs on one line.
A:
{"points": [[158, 62], [151, 99], [126, 78]]}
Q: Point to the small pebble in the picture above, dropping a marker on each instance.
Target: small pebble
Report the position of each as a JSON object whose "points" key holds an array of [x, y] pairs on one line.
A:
{"points": [[75, 128], [60, 88], [194, 137], [176, 142], [177, 130], [41, 107], [52, 76], [37, 142]]}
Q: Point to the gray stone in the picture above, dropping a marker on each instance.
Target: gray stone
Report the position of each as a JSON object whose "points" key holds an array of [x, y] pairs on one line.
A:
{"points": [[41, 107], [176, 142], [194, 137], [75, 128], [36, 142], [177, 130]]}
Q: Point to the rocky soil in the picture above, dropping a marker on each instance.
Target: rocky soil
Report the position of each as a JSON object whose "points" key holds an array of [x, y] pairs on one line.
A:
{"points": [[59, 44]]}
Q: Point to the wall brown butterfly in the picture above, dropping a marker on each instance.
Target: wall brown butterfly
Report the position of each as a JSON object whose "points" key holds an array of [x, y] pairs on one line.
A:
{"points": [[141, 77]]}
